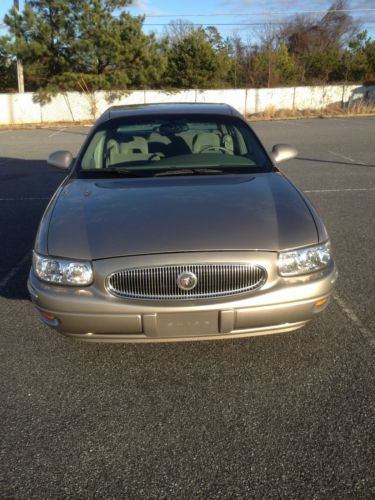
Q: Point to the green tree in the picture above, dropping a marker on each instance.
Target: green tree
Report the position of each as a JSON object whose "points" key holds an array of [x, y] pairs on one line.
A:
{"points": [[221, 75], [273, 66], [370, 54], [286, 67], [113, 52], [355, 65], [359, 58], [43, 36], [97, 45], [69, 44], [192, 61], [321, 66], [8, 70]]}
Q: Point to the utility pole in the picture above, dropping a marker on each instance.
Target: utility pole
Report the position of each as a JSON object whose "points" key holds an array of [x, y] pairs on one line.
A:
{"points": [[21, 85]]}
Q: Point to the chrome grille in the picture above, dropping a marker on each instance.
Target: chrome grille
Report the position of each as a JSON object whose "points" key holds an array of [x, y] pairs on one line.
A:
{"points": [[160, 283]]}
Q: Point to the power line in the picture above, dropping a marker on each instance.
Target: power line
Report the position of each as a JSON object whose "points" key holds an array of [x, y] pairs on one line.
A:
{"points": [[263, 13], [370, 21], [218, 24]]}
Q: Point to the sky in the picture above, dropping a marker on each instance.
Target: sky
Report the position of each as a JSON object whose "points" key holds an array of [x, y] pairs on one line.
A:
{"points": [[238, 13]]}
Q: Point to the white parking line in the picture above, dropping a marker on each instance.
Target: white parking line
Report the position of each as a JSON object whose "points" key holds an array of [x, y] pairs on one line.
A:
{"points": [[14, 271], [343, 156], [57, 132], [294, 123], [347, 158], [366, 332], [337, 190]]}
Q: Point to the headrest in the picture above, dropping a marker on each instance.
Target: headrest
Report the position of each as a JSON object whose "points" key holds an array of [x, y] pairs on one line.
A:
{"points": [[204, 140], [137, 146]]}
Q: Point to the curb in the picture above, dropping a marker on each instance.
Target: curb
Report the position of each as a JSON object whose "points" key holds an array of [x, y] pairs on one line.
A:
{"points": [[254, 118]]}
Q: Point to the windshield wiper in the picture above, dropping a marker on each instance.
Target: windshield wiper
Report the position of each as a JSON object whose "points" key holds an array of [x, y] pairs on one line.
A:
{"points": [[190, 171], [121, 172]]}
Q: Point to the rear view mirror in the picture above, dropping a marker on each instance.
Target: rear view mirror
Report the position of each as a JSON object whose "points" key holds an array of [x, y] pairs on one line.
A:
{"points": [[60, 159], [283, 152]]}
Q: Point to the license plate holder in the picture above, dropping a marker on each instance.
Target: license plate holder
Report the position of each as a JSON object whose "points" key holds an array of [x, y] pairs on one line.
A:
{"points": [[190, 324]]}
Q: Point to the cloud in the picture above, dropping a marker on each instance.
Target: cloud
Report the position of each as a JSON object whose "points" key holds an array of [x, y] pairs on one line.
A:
{"points": [[143, 7], [278, 11], [281, 10], [241, 6]]}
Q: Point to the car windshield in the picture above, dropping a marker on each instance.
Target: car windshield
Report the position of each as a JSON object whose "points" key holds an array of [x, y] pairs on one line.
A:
{"points": [[173, 145]]}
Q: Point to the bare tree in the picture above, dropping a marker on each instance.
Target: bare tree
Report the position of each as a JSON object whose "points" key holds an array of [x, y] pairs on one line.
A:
{"points": [[337, 26], [178, 29], [307, 34], [269, 35]]}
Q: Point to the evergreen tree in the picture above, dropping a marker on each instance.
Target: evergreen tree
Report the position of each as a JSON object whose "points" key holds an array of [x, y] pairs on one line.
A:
{"points": [[70, 44], [286, 67], [8, 71], [192, 61], [88, 45]]}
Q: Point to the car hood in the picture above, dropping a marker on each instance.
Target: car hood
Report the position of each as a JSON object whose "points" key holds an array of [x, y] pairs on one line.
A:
{"points": [[102, 218]]}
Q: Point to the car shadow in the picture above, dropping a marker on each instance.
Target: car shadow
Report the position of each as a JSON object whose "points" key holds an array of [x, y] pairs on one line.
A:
{"points": [[363, 96], [335, 162], [15, 281], [25, 189]]}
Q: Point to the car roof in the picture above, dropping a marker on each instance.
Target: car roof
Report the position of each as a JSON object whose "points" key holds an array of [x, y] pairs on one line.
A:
{"points": [[168, 109]]}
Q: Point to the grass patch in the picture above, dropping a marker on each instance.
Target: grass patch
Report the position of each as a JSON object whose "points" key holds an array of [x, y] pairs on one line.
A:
{"points": [[271, 113]]}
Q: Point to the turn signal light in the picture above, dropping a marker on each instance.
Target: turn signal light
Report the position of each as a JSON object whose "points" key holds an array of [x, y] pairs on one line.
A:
{"points": [[48, 316], [321, 302]]}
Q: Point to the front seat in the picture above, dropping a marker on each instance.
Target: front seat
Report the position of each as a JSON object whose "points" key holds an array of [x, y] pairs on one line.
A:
{"points": [[204, 141], [133, 150], [158, 144]]}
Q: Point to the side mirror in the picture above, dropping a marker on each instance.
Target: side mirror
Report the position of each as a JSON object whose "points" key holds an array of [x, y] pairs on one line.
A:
{"points": [[283, 152], [60, 159]]}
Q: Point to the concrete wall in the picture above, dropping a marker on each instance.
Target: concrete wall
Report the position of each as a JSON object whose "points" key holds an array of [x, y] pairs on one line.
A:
{"points": [[73, 106]]}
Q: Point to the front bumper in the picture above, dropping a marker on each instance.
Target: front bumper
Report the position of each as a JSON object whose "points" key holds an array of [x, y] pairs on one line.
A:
{"points": [[91, 314]]}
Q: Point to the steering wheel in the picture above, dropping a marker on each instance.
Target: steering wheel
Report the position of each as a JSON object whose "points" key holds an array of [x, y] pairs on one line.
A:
{"points": [[156, 157], [215, 148]]}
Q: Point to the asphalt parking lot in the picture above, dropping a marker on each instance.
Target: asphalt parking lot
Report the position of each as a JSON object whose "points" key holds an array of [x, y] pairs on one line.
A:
{"points": [[284, 416]]}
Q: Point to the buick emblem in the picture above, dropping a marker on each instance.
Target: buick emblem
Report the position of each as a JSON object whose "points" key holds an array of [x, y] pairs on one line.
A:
{"points": [[187, 281]]}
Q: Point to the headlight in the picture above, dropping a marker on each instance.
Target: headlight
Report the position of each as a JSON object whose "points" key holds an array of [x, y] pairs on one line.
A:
{"points": [[304, 260], [61, 271]]}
